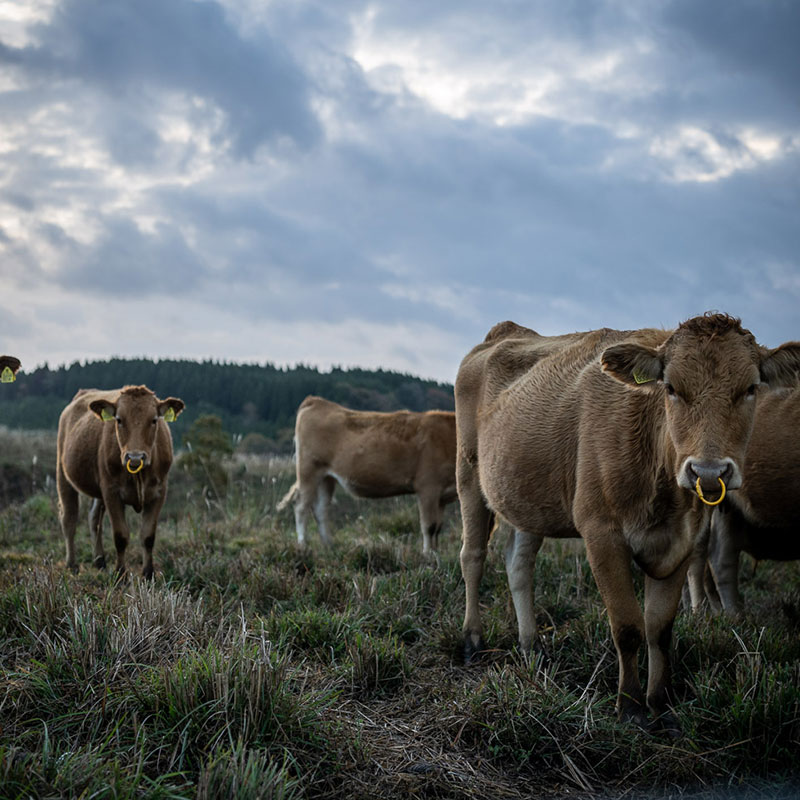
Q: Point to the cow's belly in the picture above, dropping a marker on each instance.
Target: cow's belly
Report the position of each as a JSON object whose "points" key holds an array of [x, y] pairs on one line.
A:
{"points": [[531, 494], [373, 485], [367, 471], [82, 474]]}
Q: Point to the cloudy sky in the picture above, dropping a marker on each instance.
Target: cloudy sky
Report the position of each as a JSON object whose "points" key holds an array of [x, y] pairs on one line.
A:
{"points": [[377, 183]]}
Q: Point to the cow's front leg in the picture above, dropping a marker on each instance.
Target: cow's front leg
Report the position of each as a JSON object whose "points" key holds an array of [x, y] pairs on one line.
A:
{"points": [[119, 526], [520, 557], [610, 560], [322, 505], [150, 514], [661, 599], [477, 525], [96, 513]]}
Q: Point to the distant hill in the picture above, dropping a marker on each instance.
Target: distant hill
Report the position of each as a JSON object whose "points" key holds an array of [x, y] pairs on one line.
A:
{"points": [[250, 399]]}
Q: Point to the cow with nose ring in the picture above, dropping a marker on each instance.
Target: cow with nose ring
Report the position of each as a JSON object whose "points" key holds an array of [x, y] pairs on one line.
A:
{"points": [[622, 438], [115, 447]]}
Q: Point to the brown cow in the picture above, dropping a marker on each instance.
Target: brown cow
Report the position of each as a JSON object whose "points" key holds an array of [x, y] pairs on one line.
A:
{"points": [[8, 368], [372, 454], [763, 517], [606, 435], [114, 446]]}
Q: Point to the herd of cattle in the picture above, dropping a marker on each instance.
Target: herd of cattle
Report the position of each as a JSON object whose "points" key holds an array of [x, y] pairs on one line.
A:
{"points": [[672, 449]]}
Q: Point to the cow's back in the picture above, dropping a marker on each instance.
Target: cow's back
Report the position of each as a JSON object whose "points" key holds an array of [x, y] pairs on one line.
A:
{"points": [[373, 454]]}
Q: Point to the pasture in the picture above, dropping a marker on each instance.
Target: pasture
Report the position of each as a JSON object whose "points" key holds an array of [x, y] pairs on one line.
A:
{"points": [[251, 667]]}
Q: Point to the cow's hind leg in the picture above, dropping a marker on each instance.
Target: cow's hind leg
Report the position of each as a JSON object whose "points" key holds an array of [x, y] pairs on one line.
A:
{"points": [[119, 525], [478, 521], [661, 599], [723, 556], [520, 557], [321, 507], [96, 514], [431, 512], [68, 515], [694, 590], [306, 495]]}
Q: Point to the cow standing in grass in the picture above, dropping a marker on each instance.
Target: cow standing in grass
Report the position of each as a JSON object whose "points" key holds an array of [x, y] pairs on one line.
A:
{"points": [[8, 368], [372, 454], [610, 435], [114, 446], [763, 517]]}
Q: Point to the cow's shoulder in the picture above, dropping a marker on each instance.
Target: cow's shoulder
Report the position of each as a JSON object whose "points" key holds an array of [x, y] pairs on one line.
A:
{"points": [[312, 400], [78, 407], [506, 330]]}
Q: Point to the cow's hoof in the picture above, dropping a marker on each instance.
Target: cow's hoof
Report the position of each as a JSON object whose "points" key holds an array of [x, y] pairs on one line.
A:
{"points": [[635, 715], [668, 724], [474, 648], [147, 573], [100, 562], [73, 568]]}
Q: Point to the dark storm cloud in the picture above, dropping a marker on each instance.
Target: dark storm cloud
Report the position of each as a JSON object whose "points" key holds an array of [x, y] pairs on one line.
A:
{"points": [[132, 50], [748, 36]]}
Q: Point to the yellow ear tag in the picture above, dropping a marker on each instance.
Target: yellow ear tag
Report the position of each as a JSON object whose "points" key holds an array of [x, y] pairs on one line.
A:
{"points": [[106, 415], [170, 415], [640, 377], [7, 376]]}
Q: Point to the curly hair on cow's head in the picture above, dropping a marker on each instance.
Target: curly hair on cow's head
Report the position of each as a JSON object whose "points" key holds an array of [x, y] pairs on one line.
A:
{"points": [[711, 324], [137, 391]]}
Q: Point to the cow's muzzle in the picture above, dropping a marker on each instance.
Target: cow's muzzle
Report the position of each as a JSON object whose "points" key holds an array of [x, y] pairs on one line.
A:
{"points": [[710, 478], [135, 462]]}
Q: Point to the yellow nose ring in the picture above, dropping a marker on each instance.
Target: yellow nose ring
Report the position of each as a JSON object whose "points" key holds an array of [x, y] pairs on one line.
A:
{"points": [[141, 464], [711, 502]]}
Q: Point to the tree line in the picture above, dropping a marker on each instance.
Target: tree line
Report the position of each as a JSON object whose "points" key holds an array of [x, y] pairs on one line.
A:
{"points": [[256, 403]]}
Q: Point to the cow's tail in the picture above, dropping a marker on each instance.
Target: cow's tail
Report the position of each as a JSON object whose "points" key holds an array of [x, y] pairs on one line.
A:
{"points": [[287, 498]]}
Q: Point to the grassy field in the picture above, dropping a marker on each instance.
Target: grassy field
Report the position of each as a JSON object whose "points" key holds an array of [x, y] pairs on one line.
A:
{"points": [[252, 668]]}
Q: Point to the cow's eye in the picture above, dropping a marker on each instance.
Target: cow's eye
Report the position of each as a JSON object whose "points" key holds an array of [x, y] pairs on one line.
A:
{"points": [[751, 390], [670, 389], [155, 420], [119, 421]]}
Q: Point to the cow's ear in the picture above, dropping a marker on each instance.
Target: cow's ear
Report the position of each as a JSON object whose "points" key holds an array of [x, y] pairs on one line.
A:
{"points": [[781, 366], [632, 364], [103, 409], [170, 408]]}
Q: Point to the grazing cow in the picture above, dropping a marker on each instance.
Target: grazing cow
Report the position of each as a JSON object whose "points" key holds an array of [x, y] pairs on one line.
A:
{"points": [[114, 446], [372, 454], [763, 517], [610, 435], [8, 368]]}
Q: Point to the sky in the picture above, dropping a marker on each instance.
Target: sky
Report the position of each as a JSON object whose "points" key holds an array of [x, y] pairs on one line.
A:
{"points": [[376, 184]]}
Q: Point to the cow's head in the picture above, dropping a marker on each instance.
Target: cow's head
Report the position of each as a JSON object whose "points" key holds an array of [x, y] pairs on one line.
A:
{"points": [[136, 414], [8, 368], [710, 371]]}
